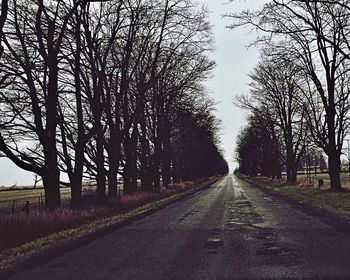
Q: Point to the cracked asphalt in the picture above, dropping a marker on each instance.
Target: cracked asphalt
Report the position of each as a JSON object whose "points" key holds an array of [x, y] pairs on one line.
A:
{"points": [[230, 230]]}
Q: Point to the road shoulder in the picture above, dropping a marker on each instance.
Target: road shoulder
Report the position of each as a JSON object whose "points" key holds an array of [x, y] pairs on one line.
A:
{"points": [[330, 208], [41, 251]]}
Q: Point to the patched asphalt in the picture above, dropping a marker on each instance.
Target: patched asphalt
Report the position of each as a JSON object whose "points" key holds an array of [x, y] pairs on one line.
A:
{"points": [[230, 230]]}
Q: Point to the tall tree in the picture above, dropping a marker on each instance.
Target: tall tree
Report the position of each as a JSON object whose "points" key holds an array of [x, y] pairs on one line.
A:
{"points": [[3, 16], [313, 35], [33, 36], [275, 84]]}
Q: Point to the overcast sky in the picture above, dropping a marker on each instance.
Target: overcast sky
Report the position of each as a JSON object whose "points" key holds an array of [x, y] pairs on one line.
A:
{"points": [[234, 62]]}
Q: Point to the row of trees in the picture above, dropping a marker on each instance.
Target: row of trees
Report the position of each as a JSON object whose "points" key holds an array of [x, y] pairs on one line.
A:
{"points": [[108, 88], [302, 80], [258, 148]]}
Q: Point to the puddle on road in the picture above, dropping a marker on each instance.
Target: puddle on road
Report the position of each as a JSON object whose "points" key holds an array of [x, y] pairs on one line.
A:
{"points": [[213, 243]]}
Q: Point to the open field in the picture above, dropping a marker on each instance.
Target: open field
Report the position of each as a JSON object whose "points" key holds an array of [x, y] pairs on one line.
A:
{"points": [[344, 177], [17, 197], [20, 228], [303, 179]]}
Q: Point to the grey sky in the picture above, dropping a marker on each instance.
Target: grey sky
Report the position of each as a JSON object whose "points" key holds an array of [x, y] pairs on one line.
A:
{"points": [[234, 62]]}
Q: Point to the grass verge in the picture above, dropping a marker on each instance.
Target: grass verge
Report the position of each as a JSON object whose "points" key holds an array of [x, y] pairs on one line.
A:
{"points": [[67, 227], [337, 203]]}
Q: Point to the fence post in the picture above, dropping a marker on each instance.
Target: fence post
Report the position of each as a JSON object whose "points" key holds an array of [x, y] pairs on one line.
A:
{"points": [[26, 207], [13, 207], [42, 201]]}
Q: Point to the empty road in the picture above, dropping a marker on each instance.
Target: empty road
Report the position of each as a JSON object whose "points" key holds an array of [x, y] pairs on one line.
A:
{"points": [[229, 231]]}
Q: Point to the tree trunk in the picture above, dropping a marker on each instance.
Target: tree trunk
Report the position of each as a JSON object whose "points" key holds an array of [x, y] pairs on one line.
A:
{"points": [[126, 179], [76, 192], [293, 174], [76, 178], [291, 164], [291, 169], [112, 181], [145, 169], [52, 174], [145, 157], [156, 165], [332, 152], [334, 170], [130, 169], [52, 189], [113, 160], [133, 162], [175, 172], [278, 170], [166, 160], [77, 174], [101, 176], [266, 163], [288, 171]]}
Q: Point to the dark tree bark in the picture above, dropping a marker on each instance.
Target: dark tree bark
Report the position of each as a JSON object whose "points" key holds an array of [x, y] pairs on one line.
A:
{"points": [[3, 16], [166, 158]]}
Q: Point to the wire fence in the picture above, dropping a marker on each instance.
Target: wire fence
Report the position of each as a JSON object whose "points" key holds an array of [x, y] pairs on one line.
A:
{"points": [[28, 201]]}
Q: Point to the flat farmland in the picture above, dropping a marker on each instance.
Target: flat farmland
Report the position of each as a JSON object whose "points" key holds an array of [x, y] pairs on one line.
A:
{"points": [[303, 178], [19, 198], [21, 195]]}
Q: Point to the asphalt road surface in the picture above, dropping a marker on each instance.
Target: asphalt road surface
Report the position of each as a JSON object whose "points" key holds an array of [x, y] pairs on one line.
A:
{"points": [[229, 231]]}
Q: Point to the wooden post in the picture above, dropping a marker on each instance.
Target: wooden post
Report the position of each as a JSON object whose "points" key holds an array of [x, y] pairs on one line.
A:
{"points": [[13, 207], [26, 208]]}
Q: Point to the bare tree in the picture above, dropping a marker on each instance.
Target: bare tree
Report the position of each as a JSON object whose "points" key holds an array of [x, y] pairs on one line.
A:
{"points": [[3, 16], [258, 147], [33, 35], [275, 85], [96, 89], [313, 36]]}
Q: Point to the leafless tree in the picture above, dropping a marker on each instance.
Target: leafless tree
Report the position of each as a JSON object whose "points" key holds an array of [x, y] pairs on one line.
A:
{"points": [[275, 85], [33, 36], [313, 35]]}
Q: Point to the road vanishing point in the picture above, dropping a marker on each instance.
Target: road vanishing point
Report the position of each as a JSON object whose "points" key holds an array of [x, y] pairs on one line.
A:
{"points": [[230, 230]]}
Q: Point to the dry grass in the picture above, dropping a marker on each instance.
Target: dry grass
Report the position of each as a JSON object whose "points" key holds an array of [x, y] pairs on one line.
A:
{"points": [[19, 228], [20, 195], [303, 180], [335, 202]]}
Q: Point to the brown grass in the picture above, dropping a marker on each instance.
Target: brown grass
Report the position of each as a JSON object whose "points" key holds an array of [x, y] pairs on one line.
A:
{"points": [[303, 180], [336, 202], [19, 228]]}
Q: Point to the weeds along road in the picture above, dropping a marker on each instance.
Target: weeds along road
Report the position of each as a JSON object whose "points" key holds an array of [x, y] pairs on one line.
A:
{"points": [[228, 231]]}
